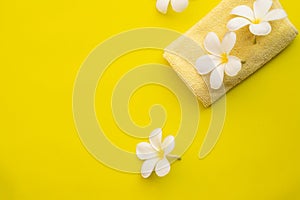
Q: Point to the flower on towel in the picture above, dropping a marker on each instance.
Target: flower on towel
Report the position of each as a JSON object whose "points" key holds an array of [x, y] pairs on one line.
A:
{"points": [[155, 154], [258, 19], [218, 60], [177, 5]]}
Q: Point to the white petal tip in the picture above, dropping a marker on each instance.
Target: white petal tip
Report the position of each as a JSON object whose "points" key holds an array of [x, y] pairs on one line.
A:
{"points": [[164, 12], [155, 132], [179, 5], [162, 168], [275, 14], [216, 78], [233, 66], [261, 29], [215, 87], [146, 175], [161, 11], [162, 6]]}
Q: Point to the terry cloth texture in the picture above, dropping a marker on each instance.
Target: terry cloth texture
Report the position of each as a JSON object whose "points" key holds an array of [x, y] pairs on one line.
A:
{"points": [[254, 56]]}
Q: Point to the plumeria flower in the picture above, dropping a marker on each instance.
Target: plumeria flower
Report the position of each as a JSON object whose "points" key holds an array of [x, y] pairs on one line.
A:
{"points": [[177, 5], [155, 154], [258, 18], [218, 60]]}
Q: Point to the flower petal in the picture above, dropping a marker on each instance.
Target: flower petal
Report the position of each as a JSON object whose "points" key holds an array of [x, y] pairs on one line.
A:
{"points": [[155, 139], [215, 59], [261, 8], [228, 42], [179, 5], [237, 23], [148, 166], [162, 167], [212, 44], [275, 14], [168, 144], [216, 77], [145, 151], [233, 66], [243, 11], [162, 6], [207, 63], [261, 29]]}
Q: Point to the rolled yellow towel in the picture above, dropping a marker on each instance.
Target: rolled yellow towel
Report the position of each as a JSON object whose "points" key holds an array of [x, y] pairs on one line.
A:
{"points": [[182, 53]]}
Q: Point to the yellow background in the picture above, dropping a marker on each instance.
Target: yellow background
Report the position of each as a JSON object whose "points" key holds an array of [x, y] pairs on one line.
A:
{"points": [[43, 44]]}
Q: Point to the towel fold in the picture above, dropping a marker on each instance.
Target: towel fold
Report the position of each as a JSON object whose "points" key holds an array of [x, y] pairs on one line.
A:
{"points": [[254, 55]]}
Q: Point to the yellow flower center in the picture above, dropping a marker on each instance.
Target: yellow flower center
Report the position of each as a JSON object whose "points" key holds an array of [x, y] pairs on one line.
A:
{"points": [[256, 21], [224, 58], [161, 154]]}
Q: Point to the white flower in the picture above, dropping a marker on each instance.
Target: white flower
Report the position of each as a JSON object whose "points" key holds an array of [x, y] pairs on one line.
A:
{"points": [[155, 154], [258, 19], [219, 59], [177, 5]]}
